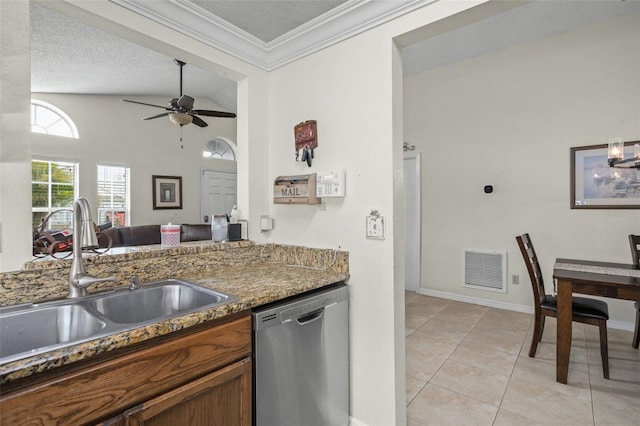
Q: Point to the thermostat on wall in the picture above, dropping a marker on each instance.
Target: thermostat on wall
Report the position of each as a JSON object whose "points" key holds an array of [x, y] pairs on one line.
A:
{"points": [[330, 184]]}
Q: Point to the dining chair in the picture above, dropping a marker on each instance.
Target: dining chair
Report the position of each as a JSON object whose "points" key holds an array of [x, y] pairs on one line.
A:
{"points": [[634, 241], [585, 310]]}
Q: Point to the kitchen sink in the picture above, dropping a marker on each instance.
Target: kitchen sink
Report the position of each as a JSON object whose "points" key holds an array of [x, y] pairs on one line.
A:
{"points": [[31, 329], [28, 330], [155, 301]]}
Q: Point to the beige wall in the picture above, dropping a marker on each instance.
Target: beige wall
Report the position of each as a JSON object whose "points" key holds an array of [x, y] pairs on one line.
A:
{"points": [[508, 119], [15, 153], [351, 101]]}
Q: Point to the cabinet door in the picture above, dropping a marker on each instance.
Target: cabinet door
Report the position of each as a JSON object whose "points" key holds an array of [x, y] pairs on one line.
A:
{"points": [[221, 398]]}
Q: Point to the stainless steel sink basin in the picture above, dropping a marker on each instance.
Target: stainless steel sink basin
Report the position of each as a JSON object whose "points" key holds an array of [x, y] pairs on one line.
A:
{"points": [[30, 329], [158, 300]]}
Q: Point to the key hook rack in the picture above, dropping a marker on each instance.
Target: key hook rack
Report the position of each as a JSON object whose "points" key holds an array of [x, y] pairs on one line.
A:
{"points": [[306, 140]]}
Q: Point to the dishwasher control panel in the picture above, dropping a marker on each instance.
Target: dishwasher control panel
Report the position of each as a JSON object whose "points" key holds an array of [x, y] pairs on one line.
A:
{"points": [[293, 310], [308, 307]]}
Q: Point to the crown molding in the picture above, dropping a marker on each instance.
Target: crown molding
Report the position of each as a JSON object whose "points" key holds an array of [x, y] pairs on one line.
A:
{"points": [[340, 23]]}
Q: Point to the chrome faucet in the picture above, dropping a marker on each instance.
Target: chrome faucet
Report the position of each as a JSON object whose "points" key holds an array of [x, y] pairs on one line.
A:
{"points": [[134, 284], [84, 236]]}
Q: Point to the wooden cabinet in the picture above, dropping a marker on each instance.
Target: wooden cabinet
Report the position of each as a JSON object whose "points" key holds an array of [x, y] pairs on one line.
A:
{"points": [[221, 398], [203, 377]]}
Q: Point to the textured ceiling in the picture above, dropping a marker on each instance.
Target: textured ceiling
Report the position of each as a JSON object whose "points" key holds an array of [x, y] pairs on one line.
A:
{"points": [[72, 57], [267, 19], [525, 24]]}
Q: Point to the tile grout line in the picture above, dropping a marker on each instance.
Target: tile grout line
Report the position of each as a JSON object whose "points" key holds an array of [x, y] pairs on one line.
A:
{"points": [[427, 382], [447, 359], [584, 343], [524, 341]]}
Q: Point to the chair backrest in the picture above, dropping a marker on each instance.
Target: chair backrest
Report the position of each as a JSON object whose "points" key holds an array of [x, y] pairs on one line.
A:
{"points": [[533, 266], [634, 241]]}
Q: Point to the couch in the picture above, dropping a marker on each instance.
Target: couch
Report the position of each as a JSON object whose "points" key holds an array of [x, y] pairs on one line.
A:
{"points": [[143, 235]]}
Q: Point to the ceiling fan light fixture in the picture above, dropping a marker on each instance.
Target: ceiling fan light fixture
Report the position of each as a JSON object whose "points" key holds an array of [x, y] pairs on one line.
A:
{"points": [[180, 118], [180, 110]]}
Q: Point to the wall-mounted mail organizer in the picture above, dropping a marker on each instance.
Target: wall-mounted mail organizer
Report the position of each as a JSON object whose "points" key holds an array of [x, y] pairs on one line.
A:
{"points": [[299, 189]]}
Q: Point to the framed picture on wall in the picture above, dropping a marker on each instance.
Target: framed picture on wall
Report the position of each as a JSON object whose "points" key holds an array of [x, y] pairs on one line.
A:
{"points": [[167, 192], [595, 185]]}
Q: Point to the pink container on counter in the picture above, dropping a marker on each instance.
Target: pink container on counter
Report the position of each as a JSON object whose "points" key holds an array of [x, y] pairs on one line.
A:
{"points": [[170, 235]]}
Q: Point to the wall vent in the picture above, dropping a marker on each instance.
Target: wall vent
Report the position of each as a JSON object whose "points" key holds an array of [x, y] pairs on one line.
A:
{"points": [[485, 269]]}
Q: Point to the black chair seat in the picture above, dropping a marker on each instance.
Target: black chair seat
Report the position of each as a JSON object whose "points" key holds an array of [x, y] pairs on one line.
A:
{"points": [[585, 311], [581, 305]]}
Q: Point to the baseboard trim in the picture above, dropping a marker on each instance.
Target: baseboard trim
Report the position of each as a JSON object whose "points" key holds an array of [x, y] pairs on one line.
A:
{"points": [[618, 325], [355, 422]]}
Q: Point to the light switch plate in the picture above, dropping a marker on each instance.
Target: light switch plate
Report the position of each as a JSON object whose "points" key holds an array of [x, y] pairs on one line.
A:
{"points": [[375, 227], [266, 223]]}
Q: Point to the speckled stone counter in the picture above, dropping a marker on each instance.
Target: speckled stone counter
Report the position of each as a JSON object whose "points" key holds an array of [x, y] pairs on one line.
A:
{"points": [[256, 274]]}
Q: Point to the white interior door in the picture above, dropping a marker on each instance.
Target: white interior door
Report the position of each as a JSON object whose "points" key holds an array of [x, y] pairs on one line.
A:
{"points": [[413, 220], [218, 193]]}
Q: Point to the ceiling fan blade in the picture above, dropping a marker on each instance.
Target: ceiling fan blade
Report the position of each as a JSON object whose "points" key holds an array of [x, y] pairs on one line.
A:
{"points": [[185, 102], [198, 121], [164, 114], [208, 113], [142, 103]]}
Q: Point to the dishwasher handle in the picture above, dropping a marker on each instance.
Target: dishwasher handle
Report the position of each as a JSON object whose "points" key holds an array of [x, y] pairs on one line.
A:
{"points": [[311, 317]]}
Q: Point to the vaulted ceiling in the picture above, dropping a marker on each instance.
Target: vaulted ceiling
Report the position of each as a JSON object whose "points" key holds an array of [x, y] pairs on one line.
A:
{"points": [[71, 57]]}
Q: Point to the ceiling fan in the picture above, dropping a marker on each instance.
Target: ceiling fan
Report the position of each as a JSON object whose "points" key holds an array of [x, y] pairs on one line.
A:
{"points": [[180, 110]]}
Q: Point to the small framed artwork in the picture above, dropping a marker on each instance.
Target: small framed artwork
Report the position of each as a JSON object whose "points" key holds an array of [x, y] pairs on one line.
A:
{"points": [[167, 192], [595, 185]]}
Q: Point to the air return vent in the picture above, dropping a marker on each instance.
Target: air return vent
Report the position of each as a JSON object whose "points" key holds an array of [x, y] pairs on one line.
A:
{"points": [[485, 270]]}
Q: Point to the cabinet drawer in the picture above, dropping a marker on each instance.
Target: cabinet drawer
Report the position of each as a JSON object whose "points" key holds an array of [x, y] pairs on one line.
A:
{"points": [[221, 398], [94, 392]]}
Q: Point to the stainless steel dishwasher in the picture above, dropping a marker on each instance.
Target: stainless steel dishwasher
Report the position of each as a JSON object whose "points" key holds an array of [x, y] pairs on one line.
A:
{"points": [[301, 350]]}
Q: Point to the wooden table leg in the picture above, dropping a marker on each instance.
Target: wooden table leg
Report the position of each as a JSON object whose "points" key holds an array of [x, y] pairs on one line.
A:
{"points": [[563, 342]]}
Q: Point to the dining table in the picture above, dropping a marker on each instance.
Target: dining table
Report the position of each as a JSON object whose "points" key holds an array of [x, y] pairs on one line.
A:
{"points": [[605, 279]]}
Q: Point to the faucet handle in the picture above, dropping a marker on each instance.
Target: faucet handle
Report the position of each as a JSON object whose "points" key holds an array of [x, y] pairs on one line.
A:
{"points": [[86, 280]]}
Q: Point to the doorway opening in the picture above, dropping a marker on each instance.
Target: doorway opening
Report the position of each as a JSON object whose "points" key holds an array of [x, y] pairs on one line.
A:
{"points": [[413, 220]]}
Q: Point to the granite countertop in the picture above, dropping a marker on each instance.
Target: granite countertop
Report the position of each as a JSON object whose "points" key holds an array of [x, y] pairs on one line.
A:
{"points": [[255, 283]]}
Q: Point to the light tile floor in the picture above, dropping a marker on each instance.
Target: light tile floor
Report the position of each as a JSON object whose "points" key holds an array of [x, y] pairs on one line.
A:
{"points": [[469, 365]]}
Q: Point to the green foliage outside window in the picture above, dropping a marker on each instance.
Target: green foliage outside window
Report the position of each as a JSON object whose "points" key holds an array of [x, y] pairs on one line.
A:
{"points": [[52, 188]]}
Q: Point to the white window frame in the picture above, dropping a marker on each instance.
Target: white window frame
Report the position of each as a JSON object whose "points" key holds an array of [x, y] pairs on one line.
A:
{"points": [[39, 127], [102, 210], [49, 208], [224, 149]]}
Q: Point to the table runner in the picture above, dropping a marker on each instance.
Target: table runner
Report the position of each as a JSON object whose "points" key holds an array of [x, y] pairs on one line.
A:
{"points": [[607, 270]]}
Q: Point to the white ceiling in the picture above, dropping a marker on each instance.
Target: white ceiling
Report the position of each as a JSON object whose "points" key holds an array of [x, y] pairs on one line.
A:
{"points": [[71, 57]]}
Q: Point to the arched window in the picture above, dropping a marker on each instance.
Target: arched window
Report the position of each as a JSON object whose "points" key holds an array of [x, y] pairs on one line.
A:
{"points": [[51, 120], [219, 148]]}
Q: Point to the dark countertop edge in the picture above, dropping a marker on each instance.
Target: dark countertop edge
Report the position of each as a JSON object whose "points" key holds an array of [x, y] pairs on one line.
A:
{"points": [[48, 361]]}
